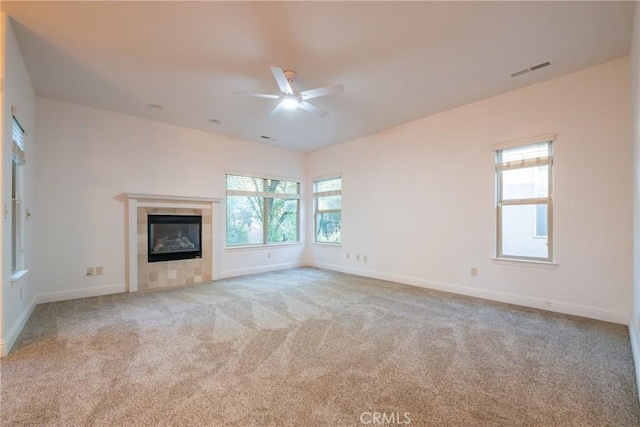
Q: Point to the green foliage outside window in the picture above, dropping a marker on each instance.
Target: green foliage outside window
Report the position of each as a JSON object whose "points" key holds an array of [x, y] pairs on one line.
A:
{"points": [[261, 211], [328, 210]]}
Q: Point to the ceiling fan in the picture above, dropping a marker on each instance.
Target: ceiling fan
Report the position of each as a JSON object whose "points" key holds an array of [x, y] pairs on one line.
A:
{"points": [[291, 98]]}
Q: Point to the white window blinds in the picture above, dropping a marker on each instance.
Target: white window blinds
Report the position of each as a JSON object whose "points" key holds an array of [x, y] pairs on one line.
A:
{"points": [[522, 157], [260, 187], [18, 143], [328, 187]]}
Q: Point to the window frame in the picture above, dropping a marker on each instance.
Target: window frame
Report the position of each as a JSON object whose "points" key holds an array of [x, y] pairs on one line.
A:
{"points": [[17, 195], [536, 234], [265, 213], [532, 201], [316, 211]]}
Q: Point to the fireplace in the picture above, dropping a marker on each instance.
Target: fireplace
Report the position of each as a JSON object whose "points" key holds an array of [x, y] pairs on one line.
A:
{"points": [[174, 237]]}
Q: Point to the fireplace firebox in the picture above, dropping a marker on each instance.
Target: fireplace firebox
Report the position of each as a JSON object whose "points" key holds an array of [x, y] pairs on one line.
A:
{"points": [[174, 237]]}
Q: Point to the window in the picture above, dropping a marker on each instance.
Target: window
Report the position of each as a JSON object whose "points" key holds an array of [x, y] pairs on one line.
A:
{"points": [[18, 159], [540, 224], [524, 201], [327, 198], [262, 211]]}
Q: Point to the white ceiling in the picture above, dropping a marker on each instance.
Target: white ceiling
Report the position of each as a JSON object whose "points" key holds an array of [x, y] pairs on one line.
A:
{"points": [[398, 61]]}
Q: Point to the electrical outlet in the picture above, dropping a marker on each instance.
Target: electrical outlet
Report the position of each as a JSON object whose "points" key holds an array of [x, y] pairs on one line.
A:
{"points": [[90, 271], [268, 254], [357, 257], [348, 255], [99, 271], [474, 271], [364, 258]]}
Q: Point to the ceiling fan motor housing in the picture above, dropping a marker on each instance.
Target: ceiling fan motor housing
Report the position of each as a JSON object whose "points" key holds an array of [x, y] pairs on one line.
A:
{"points": [[290, 75]]}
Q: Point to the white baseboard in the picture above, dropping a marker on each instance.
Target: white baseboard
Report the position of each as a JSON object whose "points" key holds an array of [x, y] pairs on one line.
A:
{"points": [[81, 293], [510, 298], [634, 335], [260, 269], [16, 328]]}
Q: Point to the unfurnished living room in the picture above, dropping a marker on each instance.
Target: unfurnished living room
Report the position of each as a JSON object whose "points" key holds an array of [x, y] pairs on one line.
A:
{"points": [[320, 213]]}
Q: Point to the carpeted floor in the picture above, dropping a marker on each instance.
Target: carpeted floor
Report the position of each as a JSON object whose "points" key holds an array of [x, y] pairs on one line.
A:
{"points": [[308, 347]]}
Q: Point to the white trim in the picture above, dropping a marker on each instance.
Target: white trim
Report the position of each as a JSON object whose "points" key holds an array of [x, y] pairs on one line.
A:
{"points": [[589, 311], [549, 137], [176, 198], [261, 269], [10, 339], [216, 240], [87, 292], [18, 274], [506, 297], [132, 231], [634, 336], [174, 205], [327, 244], [326, 177], [261, 246], [260, 176], [525, 263]]}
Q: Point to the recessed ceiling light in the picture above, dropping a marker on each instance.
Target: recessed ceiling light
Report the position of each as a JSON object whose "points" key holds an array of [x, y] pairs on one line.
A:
{"points": [[214, 121], [156, 107]]}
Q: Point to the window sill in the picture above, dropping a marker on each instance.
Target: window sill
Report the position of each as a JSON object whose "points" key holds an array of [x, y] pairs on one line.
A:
{"points": [[525, 263], [328, 245], [258, 247], [17, 275]]}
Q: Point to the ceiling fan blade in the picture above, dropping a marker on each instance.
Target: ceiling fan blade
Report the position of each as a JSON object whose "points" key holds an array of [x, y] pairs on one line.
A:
{"points": [[307, 106], [258, 95], [276, 110], [281, 79], [322, 91]]}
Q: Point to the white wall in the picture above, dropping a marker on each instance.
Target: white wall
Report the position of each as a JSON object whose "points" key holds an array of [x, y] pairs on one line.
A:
{"points": [[418, 199], [88, 157], [634, 322], [18, 92]]}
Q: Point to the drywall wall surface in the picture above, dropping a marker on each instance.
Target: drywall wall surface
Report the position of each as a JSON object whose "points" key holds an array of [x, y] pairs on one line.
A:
{"points": [[634, 322], [90, 157], [419, 199], [18, 97]]}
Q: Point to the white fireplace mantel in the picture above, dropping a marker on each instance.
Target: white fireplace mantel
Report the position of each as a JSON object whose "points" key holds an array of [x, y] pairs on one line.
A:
{"points": [[135, 200]]}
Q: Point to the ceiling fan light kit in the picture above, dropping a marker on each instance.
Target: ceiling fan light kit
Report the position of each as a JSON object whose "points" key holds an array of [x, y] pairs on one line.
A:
{"points": [[290, 102], [291, 98]]}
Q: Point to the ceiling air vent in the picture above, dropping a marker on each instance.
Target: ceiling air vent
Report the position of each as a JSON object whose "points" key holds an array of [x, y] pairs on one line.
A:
{"points": [[519, 73], [537, 67], [533, 68]]}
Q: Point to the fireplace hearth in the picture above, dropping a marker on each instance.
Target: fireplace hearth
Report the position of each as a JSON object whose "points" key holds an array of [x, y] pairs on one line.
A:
{"points": [[174, 237]]}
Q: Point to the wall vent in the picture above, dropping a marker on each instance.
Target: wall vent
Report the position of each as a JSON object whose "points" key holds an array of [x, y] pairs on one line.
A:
{"points": [[533, 68]]}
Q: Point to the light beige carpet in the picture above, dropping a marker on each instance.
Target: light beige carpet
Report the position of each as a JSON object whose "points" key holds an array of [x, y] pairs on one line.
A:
{"points": [[308, 347]]}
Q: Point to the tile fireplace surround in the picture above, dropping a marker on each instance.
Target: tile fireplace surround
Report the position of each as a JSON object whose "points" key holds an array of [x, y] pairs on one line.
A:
{"points": [[145, 276]]}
